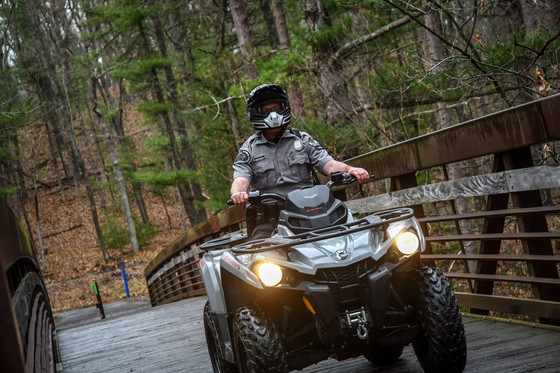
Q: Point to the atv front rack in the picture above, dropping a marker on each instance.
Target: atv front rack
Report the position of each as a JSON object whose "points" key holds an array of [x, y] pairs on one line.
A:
{"points": [[382, 219], [224, 242]]}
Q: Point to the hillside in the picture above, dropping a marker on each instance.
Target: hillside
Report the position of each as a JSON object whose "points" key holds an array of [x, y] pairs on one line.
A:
{"points": [[72, 254]]}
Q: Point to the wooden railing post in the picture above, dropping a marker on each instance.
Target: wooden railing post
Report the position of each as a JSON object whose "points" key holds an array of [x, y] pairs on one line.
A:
{"points": [[491, 225], [521, 158]]}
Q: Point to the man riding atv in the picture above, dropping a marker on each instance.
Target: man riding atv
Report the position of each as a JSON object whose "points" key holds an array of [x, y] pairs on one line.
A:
{"points": [[277, 160], [326, 283]]}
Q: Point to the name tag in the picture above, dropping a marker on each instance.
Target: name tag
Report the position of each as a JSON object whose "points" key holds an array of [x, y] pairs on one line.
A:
{"points": [[259, 157]]}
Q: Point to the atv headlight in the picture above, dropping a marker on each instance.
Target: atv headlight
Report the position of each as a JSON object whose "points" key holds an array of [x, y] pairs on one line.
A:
{"points": [[407, 242], [269, 273]]}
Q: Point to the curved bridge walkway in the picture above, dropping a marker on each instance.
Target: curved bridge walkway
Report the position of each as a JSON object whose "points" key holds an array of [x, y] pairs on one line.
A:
{"points": [[170, 339]]}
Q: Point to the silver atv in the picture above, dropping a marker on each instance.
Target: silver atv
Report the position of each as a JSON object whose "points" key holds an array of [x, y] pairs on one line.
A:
{"points": [[327, 284]]}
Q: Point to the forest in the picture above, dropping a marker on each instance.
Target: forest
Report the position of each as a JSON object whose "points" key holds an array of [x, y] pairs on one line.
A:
{"points": [[136, 108]]}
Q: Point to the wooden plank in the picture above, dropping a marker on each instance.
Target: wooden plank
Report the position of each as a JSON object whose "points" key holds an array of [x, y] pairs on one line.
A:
{"points": [[170, 339], [534, 178], [531, 307], [521, 126]]}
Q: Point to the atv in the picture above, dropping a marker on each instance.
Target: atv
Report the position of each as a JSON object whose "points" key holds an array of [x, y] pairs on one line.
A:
{"points": [[326, 284]]}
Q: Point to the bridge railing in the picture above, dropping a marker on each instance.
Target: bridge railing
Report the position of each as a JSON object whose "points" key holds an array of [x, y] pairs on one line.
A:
{"points": [[494, 231]]}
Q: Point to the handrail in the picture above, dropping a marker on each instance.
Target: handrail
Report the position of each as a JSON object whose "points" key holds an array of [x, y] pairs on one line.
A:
{"points": [[511, 194]]}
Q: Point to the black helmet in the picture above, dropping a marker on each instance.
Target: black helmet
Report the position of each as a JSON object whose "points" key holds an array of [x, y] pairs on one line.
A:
{"points": [[266, 93]]}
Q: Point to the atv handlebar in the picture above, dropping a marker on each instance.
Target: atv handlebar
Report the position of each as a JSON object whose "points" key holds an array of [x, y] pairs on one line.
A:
{"points": [[337, 179], [256, 197], [342, 178]]}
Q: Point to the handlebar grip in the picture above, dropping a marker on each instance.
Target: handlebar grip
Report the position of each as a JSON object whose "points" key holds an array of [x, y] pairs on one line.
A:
{"points": [[230, 202]]}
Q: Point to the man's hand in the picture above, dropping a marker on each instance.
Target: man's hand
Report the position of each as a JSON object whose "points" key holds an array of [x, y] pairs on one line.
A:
{"points": [[332, 165], [240, 198], [360, 173], [238, 191]]}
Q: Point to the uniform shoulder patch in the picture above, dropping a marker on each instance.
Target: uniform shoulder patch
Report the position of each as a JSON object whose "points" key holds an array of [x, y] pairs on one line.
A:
{"points": [[314, 144], [243, 157]]}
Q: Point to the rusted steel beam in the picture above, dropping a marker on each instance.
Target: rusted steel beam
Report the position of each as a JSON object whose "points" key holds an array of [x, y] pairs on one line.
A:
{"points": [[522, 126]]}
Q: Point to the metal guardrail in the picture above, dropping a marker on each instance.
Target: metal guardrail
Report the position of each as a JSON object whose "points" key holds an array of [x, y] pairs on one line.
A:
{"points": [[510, 193]]}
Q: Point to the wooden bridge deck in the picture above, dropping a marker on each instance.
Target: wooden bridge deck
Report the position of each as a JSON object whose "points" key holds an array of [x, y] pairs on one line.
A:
{"points": [[170, 339]]}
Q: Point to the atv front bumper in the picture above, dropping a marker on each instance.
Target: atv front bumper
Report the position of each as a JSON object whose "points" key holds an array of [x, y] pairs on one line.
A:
{"points": [[363, 312]]}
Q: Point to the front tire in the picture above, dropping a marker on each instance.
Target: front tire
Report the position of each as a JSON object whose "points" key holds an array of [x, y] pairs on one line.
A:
{"points": [[257, 344], [219, 364], [443, 346]]}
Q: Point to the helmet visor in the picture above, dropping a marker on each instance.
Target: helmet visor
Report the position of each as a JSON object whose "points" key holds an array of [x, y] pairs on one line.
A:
{"points": [[269, 106]]}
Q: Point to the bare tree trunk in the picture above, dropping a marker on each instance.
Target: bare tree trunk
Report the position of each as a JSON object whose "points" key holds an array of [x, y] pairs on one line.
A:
{"points": [[79, 163], [91, 160], [234, 121], [280, 21], [175, 191], [543, 16], [437, 54], [23, 197], [55, 164], [329, 72], [196, 214], [542, 13], [270, 24], [116, 168], [37, 217], [117, 123], [238, 10]]}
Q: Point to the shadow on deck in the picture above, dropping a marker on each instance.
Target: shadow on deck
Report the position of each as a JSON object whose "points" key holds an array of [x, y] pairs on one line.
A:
{"points": [[170, 339]]}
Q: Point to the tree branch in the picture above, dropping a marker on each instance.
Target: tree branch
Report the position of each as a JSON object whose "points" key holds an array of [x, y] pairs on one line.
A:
{"points": [[349, 48], [474, 59]]}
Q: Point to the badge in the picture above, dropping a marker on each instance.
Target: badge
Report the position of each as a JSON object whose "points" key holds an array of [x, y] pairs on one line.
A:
{"points": [[298, 145], [243, 157], [341, 254], [314, 144]]}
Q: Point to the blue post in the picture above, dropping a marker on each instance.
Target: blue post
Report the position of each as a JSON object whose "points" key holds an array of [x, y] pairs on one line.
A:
{"points": [[124, 278]]}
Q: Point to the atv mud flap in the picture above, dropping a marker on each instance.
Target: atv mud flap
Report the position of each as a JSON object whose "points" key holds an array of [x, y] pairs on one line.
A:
{"points": [[377, 296], [220, 320], [327, 307]]}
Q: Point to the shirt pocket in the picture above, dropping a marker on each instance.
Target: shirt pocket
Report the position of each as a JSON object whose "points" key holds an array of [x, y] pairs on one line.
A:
{"points": [[300, 169], [264, 174]]}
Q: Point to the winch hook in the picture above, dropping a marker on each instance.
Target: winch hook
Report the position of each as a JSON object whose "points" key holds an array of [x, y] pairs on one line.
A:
{"points": [[362, 332]]}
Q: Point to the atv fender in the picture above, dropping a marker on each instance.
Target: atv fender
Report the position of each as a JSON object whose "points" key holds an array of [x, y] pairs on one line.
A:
{"points": [[211, 275], [229, 263]]}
